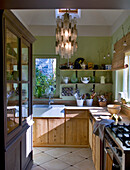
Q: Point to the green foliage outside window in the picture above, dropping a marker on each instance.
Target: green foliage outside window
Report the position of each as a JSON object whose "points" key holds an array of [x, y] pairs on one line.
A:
{"points": [[44, 84]]}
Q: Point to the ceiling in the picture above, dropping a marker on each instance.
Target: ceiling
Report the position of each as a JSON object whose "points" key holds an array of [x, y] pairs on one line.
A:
{"points": [[93, 22], [54, 4], [88, 17]]}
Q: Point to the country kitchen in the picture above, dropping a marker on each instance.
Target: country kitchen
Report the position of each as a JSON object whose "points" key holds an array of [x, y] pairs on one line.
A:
{"points": [[65, 89]]}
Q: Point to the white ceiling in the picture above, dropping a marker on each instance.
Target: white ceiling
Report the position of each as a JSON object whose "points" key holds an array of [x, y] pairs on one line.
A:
{"points": [[37, 19]]}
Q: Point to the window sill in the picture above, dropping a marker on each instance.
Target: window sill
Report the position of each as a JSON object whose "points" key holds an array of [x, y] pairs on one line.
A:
{"points": [[127, 106]]}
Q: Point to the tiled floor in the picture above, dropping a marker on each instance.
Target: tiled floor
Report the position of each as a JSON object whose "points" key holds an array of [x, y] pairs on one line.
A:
{"points": [[62, 159]]}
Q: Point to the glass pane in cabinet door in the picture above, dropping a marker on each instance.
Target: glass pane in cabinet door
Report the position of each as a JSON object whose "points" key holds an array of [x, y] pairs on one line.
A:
{"points": [[12, 106], [25, 101], [12, 71], [24, 62]]}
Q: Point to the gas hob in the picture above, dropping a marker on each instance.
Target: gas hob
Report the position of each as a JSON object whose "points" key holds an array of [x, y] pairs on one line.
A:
{"points": [[120, 134]]}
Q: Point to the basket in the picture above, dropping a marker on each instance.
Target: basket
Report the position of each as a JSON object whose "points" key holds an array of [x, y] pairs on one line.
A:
{"points": [[103, 104]]}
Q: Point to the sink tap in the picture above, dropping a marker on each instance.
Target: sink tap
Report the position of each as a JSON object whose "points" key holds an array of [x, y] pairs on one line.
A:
{"points": [[50, 101]]}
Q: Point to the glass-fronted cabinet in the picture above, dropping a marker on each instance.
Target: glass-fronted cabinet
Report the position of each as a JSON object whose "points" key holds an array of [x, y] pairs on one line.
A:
{"points": [[16, 92], [12, 79], [17, 80]]}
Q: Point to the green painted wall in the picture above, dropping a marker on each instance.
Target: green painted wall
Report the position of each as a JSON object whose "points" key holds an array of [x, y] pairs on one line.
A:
{"points": [[92, 49], [118, 34]]}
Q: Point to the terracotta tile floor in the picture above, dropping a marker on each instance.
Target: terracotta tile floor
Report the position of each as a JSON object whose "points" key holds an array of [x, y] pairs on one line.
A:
{"points": [[46, 158]]}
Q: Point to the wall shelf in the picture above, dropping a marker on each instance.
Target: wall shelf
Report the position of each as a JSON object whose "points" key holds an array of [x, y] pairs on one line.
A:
{"points": [[86, 84], [82, 70]]}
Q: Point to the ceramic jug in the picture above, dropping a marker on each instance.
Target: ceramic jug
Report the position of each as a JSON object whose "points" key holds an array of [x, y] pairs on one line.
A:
{"points": [[102, 80], [65, 79]]}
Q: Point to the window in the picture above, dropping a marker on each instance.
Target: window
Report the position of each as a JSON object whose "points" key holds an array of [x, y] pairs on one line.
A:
{"points": [[46, 79], [123, 80]]}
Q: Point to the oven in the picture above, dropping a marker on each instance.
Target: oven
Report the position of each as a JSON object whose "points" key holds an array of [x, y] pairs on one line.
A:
{"points": [[116, 149], [111, 160]]}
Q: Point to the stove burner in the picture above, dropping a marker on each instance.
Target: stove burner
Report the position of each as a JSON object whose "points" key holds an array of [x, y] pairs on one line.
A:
{"points": [[120, 135], [127, 143], [121, 128], [122, 132]]}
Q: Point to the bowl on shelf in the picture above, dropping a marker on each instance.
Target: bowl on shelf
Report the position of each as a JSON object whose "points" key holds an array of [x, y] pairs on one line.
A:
{"points": [[113, 108]]}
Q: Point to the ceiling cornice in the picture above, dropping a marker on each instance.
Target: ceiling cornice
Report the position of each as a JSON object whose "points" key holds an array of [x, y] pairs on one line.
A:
{"points": [[120, 21]]}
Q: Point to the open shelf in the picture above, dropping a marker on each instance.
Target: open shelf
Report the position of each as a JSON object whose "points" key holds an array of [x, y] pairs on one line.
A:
{"points": [[82, 70], [86, 84]]}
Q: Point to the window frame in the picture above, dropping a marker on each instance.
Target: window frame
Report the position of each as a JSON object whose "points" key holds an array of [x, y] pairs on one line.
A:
{"points": [[123, 76], [126, 85], [57, 94]]}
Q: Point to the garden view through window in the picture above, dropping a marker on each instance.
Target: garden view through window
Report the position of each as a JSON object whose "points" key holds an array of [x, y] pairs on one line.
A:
{"points": [[45, 71]]}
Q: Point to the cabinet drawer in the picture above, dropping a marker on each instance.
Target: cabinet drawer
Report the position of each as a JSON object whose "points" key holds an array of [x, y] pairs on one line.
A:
{"points": [[76, 114]]}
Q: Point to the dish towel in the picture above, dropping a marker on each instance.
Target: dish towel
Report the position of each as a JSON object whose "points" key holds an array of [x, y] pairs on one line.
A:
{"points": [[99, 126]]}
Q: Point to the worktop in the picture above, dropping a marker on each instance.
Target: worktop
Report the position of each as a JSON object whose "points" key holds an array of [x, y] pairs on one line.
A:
{"points": [[99, 113], [56, 111]]}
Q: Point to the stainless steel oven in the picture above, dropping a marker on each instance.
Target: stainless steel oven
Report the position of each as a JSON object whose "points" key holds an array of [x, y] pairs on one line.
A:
{"points": [[111, 161], [117, 148]]}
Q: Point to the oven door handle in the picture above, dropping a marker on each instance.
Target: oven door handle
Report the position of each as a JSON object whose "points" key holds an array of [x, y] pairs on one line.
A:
{"points": [[106, 149], [115, 166]]}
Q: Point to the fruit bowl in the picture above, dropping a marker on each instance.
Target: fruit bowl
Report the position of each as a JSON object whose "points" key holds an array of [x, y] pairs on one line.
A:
{"points": [[113, 108]]}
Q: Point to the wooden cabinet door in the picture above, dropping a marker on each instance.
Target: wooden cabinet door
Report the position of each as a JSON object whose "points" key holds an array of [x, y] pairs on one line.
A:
{"points": [[93, 146], [13, 156], [109, 162], [90, 133], [97, 153], [77, 131], [40, 132], [56, 131]]}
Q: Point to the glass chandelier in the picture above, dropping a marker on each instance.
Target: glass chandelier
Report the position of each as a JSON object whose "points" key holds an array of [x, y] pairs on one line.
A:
{"points": [[66, 36]]}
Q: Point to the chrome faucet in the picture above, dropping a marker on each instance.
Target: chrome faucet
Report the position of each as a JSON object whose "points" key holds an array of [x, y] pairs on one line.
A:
{"points": [[50, 101]]}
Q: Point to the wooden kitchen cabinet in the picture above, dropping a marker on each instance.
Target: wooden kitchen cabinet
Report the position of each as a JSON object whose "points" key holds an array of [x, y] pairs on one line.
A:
{"points": [[48, 131], [97, 155], [77, 127], [56, 131], [40, 132], [76, 131], [95, 148], [72, 130], [90, 133], [16, 93]]}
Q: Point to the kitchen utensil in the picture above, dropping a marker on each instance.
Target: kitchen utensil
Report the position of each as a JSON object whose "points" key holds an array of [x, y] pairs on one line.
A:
{"points": [[103, 104], [89, 102], [65, 79], [71, 66], [74, 79], [102, 80], [78, 62], [90, 65], [92, 79], [85, 80], [113, 108], [83, 65], [80, 102]]}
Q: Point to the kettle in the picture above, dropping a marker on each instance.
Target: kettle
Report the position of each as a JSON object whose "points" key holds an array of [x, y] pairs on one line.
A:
{"points": [[102, 80], [85, 79], [65, 79]]}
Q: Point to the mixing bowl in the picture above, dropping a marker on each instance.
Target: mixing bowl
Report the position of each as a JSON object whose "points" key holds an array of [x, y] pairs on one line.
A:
{"points": [[113, 108]]}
